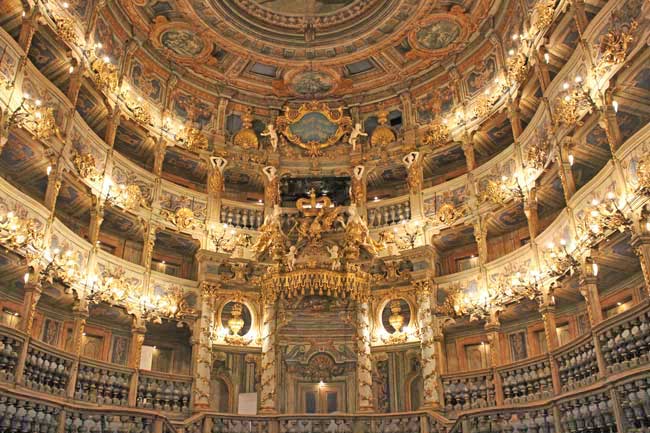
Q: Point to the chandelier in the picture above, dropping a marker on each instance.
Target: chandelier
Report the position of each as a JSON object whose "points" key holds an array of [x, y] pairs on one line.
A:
{"points": [[115, 288], [573, 104], [35, 117], [504, 191]]}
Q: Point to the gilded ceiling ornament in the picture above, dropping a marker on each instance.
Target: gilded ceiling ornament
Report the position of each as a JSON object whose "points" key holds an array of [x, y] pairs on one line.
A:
{"points": [[103, 73], [86, 166], [615, 44], [643, 174], [66, 31], [183, 218], [517, 68], [536, 157], [383, 134], [441, 33], [437, 134], [448, 214], [246, 137], [543, 12], [192, 138], [314, 125]]}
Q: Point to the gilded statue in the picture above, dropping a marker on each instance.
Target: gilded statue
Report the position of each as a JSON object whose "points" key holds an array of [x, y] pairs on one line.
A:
{"points": [[413, 164], [319, 217], [215, 182], [357, 186], [356, 132], [272, 187], [271, 236], [357, 236], [272, 133]]}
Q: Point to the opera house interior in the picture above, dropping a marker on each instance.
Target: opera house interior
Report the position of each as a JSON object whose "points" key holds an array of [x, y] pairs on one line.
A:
{"points": [[325, 216]]}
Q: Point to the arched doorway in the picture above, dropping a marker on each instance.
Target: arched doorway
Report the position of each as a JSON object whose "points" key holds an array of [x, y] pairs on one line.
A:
{"points": [[221, 400]]}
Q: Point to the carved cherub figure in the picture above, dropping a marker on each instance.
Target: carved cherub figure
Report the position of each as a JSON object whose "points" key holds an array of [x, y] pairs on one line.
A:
{"points": [[355, 134], [291, 258], [335, 257], [272, 134]]}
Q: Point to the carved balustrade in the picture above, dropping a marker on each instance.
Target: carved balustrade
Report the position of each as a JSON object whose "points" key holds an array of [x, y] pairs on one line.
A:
{"points": [[468, 391], [625, 344], [103, 383], [11, 344], [527, 381], [47, 369], [634, 398], [538, 420], [588, 413], [241, 217], [577, 363], [26, 415], [390, 212], [164, 392], [79, 421]]}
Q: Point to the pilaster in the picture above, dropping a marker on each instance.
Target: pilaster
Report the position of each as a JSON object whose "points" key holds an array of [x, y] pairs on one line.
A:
{"points": [[364, 361]]}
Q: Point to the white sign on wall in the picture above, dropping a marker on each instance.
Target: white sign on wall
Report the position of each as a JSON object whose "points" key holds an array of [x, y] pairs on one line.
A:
{"points": [[247, 403], [146, 357]]}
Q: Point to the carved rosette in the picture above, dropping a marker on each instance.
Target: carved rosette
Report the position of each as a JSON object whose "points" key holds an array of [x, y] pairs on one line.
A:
{"points": [[364, 361]]}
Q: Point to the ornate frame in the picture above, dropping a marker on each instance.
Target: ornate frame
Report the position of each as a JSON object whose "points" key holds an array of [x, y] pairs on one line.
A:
{"points": [[292, 116]]}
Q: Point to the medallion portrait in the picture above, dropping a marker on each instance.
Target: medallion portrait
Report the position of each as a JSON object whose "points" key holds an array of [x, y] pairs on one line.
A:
{"points": [[182, 42], [438, 35], [311, 83]]}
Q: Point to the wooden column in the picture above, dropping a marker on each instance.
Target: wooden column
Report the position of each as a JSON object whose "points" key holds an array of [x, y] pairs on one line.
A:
{"points": [[364, 360], [201, 354], [414, 179], [268, 389], [111, 127], [54, 181], [468, 150], [609, 123], [547, 310], [589, 290], [564, 169], [80, 315], [75, 83], [32, 295], [641, 244], [96, 219], [150, 233], [430, 330], [28, 29], [138, 331], [493, 328], [480, 234], [531, 211]]}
